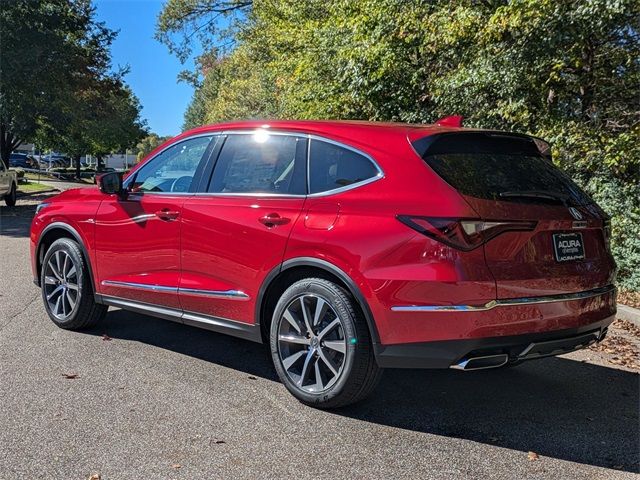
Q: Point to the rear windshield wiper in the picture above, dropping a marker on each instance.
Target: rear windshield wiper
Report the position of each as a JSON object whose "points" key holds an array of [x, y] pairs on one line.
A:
{"points": [[562, 197]]}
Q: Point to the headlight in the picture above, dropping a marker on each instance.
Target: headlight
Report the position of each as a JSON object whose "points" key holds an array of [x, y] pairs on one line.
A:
{"points": [[41, 206]]}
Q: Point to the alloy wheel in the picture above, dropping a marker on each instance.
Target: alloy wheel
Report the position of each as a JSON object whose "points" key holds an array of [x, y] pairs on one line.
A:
{"points": [[61, 285], [311, 343]]}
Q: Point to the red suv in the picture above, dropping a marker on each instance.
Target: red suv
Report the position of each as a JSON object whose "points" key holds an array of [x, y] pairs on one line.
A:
{"points": [[349, 247]]}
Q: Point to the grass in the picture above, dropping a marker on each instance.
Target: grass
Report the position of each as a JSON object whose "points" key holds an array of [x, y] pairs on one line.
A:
{"points": [[33, 187]]}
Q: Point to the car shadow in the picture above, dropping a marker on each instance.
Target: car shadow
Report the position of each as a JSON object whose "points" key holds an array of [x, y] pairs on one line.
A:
{"points": [[556, 407], [16, 221]]}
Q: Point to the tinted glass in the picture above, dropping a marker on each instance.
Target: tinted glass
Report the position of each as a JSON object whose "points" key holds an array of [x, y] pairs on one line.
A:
{"points": [[260, 163], [173, 169], [332, 166], [499, 167]]}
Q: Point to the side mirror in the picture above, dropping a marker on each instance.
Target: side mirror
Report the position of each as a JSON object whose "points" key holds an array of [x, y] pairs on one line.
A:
{"points": [[110, 183]]}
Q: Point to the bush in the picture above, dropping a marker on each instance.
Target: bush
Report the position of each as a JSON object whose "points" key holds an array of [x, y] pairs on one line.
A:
{"points": [[621, 200]]}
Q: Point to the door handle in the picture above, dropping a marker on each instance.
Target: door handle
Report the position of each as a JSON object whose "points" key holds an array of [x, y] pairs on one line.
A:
{"points": [[273, 219], [167, 214]]}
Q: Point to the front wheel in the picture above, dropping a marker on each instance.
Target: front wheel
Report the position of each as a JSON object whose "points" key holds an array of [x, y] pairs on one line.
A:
{"points": [[66, 287], [10, 198], [321, 345]]}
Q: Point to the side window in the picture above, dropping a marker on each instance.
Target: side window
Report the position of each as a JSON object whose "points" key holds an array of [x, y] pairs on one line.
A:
{"points": [[260, 163], [1, 166], [332, 166], [173, 169]]}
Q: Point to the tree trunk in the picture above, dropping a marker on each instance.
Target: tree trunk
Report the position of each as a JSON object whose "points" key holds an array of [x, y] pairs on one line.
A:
{"points": [[98, 163], [8, 143]]}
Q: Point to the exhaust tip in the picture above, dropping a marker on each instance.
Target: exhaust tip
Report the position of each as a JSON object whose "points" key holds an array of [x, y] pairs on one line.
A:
{"points": [[481, 363]]}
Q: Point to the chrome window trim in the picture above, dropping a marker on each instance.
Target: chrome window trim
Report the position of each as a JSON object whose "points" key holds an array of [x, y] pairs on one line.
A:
{"points": [[229, 294], [334, 191], [308, 136], [508, 302], [245, 194]]}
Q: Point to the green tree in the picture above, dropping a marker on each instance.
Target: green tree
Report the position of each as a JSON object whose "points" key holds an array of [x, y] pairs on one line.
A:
{"points": [[182, 22], [147, 144], [48, 48], [96, 113], [118, 126]]}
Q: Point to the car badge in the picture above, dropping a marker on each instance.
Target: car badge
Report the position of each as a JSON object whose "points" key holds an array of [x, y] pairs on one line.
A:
{"points": [[575, 213]]}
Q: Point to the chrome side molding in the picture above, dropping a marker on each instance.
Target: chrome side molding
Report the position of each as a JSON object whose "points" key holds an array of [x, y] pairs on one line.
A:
{"points": [[507, 302], [236, 294], [229, 294], [139, 286], [235, 328]]}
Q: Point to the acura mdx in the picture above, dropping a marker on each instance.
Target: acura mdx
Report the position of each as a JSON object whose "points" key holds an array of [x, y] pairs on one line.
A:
{"points": [[348, 247]]}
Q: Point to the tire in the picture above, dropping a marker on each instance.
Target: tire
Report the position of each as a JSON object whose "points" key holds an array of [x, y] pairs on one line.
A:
{"points": [[67, 292], [332, 378], [10, 198]]}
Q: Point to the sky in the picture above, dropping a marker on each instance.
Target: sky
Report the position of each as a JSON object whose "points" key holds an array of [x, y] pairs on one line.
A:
{"points": [[153, 70]]}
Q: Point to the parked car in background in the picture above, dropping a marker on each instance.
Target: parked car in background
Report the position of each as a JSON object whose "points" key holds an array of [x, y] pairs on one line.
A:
{"points": [[8, 185], [348, 247], [53, 161], [22, 160]]}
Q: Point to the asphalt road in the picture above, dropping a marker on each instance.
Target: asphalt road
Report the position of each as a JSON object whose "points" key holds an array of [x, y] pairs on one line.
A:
{"points": [[161, 400]]}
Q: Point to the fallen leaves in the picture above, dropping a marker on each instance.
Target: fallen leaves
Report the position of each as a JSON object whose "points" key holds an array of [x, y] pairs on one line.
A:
{"points": [[533, 456], [176, 466], [251, 377], [106, 338], [95, 476], [628, 326], [631, 299], [70, 375], [622, 351]]}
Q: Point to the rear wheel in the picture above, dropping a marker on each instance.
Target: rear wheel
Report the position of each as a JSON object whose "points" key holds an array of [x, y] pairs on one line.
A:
{"points": [[321, 346], [66, 287], [10, 198]]}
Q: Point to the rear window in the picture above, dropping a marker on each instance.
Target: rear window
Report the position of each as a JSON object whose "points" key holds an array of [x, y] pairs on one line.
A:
{"points": [[498, 167]]}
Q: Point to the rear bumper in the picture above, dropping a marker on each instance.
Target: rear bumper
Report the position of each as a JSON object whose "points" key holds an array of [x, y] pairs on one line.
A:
{"points": [[445, 336], [516, 348]]}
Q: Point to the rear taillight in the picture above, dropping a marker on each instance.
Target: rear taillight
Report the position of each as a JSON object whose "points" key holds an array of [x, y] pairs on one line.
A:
{"points": [[463, 234]]}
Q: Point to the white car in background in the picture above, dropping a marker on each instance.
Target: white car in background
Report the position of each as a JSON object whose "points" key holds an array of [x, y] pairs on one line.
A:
{"points": [[8, 185]]}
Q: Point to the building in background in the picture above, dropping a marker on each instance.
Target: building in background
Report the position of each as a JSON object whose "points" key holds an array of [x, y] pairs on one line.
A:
{"points": [[119, 161]]}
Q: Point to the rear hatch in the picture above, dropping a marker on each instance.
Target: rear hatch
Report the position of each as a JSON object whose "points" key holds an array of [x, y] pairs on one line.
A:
{"points": [[555, 238]]}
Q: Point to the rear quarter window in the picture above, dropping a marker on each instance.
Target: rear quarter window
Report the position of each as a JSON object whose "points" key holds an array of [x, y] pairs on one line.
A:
{"points": [[332, 167]]}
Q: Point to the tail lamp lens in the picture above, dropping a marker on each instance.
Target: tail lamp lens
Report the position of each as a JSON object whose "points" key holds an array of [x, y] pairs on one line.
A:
{"points": [[463, 234]]}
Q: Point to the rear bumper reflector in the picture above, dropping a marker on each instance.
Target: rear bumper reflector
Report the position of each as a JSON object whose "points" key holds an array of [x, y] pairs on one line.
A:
{"points": [[507, 302]]}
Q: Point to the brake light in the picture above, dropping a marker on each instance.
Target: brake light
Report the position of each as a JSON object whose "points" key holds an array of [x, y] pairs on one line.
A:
{"points": [[463, 234]]}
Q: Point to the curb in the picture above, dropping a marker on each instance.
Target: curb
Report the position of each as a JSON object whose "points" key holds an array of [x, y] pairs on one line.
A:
{"points": [[629, 314]]}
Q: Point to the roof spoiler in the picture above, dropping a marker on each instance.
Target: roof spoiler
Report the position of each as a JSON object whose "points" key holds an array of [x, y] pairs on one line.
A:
{"points": [[450, 121]]}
